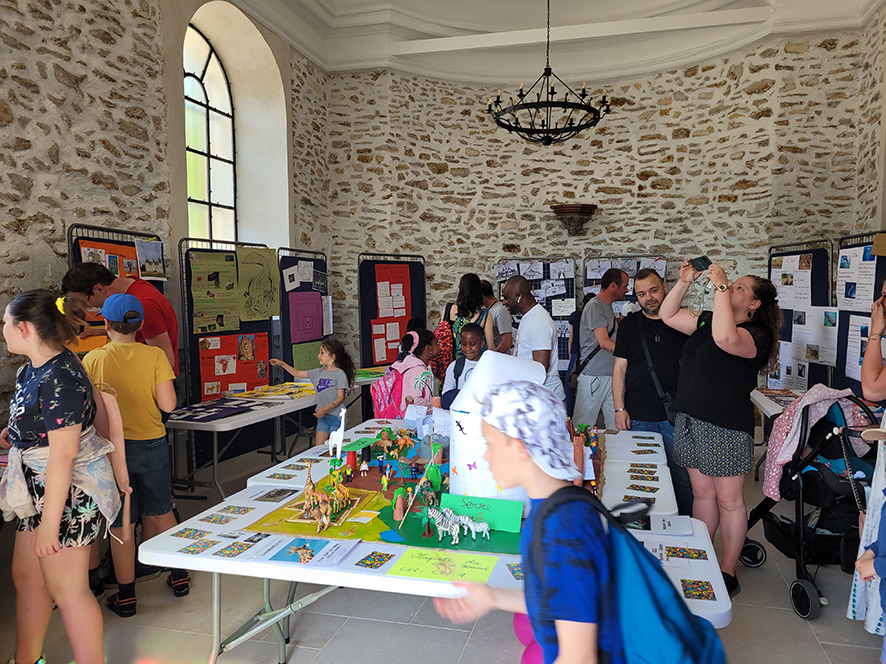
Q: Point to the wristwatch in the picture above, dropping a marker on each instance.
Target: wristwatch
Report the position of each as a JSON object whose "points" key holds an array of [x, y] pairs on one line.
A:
{"points": [[722, 288]]}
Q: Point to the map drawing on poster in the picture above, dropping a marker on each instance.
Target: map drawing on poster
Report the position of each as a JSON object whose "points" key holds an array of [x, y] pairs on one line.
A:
{"points": [[232, 362], [258, 283]]}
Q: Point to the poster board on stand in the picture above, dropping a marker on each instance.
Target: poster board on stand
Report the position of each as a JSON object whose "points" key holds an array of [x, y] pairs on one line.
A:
{"points": [[801, 273], [859, 277], [305, 307], [391, 291], [553, 283]]}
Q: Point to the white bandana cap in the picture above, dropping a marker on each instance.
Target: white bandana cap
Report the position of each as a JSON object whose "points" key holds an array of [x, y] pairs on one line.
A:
{"points": [[534, 415]]}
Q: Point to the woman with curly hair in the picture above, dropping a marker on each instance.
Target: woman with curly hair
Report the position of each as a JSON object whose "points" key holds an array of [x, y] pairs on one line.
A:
{"points": [[714, 429]]}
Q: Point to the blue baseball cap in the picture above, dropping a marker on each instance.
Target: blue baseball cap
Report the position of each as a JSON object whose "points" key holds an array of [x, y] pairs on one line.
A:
{"points": [[117, 306]]}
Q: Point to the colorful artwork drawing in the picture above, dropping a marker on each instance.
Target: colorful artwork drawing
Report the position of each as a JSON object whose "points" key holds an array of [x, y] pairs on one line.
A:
{"points": [[374, 560]]}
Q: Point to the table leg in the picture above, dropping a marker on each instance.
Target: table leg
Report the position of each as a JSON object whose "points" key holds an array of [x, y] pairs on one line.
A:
{"points": [[215, 465], [216, 618], [281, 640], [290, 598]]}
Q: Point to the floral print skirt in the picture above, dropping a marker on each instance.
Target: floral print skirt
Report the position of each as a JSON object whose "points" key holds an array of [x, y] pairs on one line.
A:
{"points": [[81, 520]]}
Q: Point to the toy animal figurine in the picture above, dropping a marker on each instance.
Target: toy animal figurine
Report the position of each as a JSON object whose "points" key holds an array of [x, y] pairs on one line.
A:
{"points": [[321, 511], [468, 523], [444, 525], [427, 492], [336, 437], [309, 484]]}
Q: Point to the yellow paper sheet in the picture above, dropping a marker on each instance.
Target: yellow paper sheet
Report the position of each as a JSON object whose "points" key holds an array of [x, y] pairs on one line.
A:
{"points": [[444, 566]]}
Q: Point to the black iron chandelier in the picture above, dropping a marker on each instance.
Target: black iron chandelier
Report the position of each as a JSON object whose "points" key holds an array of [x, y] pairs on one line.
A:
{"points": [[548, 120]]}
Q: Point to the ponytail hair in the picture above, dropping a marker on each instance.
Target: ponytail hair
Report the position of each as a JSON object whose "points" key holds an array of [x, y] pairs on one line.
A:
{"points": [[57, 320], [343, 359], [415, 342], [768, 314]]}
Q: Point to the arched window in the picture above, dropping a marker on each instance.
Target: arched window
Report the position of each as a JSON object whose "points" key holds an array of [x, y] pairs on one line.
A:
{"points": [[209, 138]]}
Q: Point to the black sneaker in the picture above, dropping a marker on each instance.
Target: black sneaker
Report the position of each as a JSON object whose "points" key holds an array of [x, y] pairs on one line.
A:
{"points": [[142, 573], [731, 582]]}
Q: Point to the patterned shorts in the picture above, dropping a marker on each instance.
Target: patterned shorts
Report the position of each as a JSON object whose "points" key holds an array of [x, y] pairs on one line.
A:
{"points": [[713, 450], [81, 520]]}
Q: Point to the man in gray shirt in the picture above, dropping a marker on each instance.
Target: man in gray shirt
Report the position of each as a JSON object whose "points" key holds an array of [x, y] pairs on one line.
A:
{"points": [[502, 327], [598, 330]]}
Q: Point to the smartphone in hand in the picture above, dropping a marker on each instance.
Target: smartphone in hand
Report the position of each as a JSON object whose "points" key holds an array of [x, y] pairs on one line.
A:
{"points": [[700, 264]]}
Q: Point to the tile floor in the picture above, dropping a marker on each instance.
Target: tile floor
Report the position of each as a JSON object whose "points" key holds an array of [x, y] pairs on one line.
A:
{"points": [[381, 628]]}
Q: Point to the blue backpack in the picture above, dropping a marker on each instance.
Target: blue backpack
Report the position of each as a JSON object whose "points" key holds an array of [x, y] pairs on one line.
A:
{"points": [[657, 626]]}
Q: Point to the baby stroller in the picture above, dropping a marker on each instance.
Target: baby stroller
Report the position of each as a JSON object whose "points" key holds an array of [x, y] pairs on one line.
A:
{"points": [[824, 473]]}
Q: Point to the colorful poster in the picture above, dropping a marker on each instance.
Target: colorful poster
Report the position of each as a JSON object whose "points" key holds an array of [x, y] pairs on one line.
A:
{"points": [[214, 291], [150, 260], [394, 310], [121, 259], [258, 284], [305, 316], [792, 276], [232, 362]]}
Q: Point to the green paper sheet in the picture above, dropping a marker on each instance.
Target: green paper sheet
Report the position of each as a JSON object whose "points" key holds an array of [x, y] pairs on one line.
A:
{"points": [[304, 356], [357, 445], [504, 515], [444, 566]]}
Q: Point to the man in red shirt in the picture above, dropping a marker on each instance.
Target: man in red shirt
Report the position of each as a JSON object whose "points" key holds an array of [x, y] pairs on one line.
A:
{"points": [[97, 283]]}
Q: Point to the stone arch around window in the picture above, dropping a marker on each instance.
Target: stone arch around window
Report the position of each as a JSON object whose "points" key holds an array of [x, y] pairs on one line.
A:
{"points": [[255, 64]]}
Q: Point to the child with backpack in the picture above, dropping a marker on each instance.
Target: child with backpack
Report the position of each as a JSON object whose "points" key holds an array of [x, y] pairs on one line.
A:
{"points": [[331, 382], [588, 589], [471, 346], [409, 379]]}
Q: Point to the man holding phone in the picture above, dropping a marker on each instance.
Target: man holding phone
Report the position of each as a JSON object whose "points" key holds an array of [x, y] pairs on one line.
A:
{"points": [[598, 331]]}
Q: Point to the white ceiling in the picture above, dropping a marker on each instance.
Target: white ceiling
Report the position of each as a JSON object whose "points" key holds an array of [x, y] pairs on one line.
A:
{"points": [[503, 41]]}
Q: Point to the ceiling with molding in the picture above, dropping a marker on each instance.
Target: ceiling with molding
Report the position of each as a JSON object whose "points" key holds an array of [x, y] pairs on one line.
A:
{"points": [[503, 41]]}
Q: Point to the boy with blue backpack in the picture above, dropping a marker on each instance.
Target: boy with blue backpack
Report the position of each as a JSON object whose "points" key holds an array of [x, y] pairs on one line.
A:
{"points": [[591, 591]]}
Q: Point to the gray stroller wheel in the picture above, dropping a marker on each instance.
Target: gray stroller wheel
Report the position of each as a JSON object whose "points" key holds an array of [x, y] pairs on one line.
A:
{"points": [[753, 554], [805, 600]]}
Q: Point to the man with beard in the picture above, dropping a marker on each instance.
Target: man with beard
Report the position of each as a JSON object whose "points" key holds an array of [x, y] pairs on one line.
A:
{"points": [[635, 398]]}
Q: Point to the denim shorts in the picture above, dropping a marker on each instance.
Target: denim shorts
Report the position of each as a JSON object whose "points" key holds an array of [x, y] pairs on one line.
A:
{"points": [[150, 477], [328, 423]]}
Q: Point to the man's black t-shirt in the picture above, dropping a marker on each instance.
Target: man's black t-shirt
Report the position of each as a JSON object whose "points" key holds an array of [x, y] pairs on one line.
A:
{"points": [[716, 386], [641, 399]]}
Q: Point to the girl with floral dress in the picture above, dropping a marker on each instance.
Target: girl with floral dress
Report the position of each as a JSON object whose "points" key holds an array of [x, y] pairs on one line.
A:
{"points": [[59, 481]]}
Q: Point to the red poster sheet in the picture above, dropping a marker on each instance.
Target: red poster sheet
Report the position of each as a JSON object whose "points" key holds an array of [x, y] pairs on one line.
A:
{"points": [[392, 291], [386, 335], [232, 362]]}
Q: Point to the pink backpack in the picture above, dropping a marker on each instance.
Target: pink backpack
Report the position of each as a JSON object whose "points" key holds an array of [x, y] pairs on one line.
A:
{"points": [[387, 392]]}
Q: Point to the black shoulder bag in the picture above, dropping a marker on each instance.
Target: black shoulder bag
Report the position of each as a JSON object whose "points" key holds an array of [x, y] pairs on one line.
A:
{"points": [[578, 367], [667, 399]]}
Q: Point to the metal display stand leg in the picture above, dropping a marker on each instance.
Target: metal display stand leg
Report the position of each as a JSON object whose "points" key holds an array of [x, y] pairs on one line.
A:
{"points": [[188, 480], [262, 620]]}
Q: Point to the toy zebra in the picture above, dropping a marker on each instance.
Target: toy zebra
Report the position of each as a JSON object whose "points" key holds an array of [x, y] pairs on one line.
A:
{"points": [[468, 523], [444, 525]]}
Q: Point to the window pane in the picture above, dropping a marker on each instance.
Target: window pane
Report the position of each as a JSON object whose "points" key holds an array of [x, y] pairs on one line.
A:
{"points": [[198, 220], [221, 135], [195, 126], [217, 86], [197, 178], [194, 89], [196, 51], [223, 224], [222, 175]]}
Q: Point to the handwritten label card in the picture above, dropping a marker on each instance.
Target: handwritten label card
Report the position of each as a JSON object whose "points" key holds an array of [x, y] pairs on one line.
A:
{"points": [[504, 515], [444, 566]]}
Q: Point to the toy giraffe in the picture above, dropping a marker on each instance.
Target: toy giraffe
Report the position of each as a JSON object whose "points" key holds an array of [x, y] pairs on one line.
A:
{"points": [[309, 483]]}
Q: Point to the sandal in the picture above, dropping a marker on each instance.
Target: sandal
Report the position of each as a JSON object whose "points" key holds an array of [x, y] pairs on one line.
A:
{"points": [[125, 608], [180, 587]]}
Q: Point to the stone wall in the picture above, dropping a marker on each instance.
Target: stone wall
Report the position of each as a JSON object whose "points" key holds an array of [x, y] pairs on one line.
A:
{"points": [[777, 143], [82, 132]]}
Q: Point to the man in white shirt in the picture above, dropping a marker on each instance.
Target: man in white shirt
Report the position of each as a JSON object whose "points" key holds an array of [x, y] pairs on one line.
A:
{"points": [[537, 334], [502, 328]]}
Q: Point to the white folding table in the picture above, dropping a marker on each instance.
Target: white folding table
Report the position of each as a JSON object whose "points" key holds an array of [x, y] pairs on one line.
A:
{"points": [[264, 410]]}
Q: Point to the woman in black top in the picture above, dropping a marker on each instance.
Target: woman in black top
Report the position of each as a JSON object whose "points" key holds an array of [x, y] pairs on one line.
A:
{"points": [[714, 430]]}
